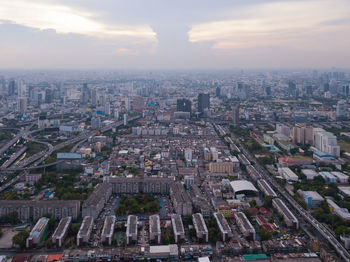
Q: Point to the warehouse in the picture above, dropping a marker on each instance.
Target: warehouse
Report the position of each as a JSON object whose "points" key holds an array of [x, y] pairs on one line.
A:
{"points": [[243, 187], [288, 174]]}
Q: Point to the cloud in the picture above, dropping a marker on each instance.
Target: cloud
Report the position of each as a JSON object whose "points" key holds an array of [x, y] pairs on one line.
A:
{"points": [[126, 51], [292, 23], [43, 15]]}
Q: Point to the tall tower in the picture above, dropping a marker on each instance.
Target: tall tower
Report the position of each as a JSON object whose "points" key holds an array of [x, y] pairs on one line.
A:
{"points": [[203, 102], [235, 115]]}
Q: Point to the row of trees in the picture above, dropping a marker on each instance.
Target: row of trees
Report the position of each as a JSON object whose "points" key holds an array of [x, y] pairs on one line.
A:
{"points": [[140, 204]]}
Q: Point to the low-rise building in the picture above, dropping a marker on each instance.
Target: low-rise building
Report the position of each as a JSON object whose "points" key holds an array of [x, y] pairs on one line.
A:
{"points": [[32, 210], [131, 229], [85, 230], [309, 173], [61, 231], [244, 225], [178, 227], [97, 200], [342, 212], [170, 252], [288, 174], [37, 233], [200, 226], [154, 228], [221, 167], [223, 225], [108, 230], [288, 216], [181, 200], [138, 185], [266, 188], [311, 198]]}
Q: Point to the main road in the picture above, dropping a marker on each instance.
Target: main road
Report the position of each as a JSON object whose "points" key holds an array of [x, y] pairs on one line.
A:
{"points": [[35, 160], [324, 231]]}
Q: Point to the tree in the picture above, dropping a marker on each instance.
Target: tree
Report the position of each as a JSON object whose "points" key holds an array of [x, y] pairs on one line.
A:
{"points": [[52, 223], [252, 203], [264, 234], [187, 219], [293, 151], [20, 239], [192, 232], [214, 234], [342, 230], [73, 229]]}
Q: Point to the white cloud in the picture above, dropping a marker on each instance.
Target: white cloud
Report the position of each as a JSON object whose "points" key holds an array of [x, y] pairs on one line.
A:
{"points": [[63, 19], [296, 23], [126, 51]]}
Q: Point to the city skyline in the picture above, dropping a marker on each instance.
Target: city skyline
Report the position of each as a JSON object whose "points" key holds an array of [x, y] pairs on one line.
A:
{"points": [[167, 35]]}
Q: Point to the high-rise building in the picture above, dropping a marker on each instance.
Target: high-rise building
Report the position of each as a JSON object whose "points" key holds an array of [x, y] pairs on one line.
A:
{"points": [[84, 98], [218, 92], [183, 105], [48, 96], [188, 154], [326, 142], [235, 115], [268, 90], [203, 102], [292, 88], [22, 105], [309, 90], [125, 119], [283, 129], [94, 97], [341, 109], [302, 134], [95, 123], [107, 108], [12, 88], [326, 87]]}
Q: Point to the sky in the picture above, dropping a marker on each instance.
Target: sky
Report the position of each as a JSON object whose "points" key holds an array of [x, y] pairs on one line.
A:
{"points": [[168, 34]]}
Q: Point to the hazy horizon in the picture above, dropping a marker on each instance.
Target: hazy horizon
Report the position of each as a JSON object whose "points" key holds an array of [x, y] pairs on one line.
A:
{"points": [[182, 35]]}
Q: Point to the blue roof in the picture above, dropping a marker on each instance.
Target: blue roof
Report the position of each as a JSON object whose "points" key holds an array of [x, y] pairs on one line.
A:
{"points": [[69, 156]]}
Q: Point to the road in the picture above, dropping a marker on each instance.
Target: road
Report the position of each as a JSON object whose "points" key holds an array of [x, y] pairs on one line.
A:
{"points": [[34, 161], [324, 231]]}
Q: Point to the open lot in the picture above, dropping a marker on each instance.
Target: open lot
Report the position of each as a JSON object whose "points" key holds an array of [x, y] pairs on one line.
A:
{"points": [[6, 239]]}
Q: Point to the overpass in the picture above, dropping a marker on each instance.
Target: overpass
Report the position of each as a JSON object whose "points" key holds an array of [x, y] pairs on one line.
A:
{"points": [[319, 227]]}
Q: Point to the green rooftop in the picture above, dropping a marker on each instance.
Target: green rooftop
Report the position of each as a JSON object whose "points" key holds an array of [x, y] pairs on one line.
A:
{"points": [[254, 256]]}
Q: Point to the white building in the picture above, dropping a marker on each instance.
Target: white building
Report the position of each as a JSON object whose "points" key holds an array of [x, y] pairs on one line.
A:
{"points": [[214, 154], [341, 109], [37, 232], [309, 173], [326, 142], [188, 154], [288, 174]]}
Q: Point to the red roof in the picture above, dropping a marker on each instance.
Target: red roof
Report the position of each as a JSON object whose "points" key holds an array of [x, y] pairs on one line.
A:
{"points": [[21, 258], [262, 219], [54, 257], [268, 227]]}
